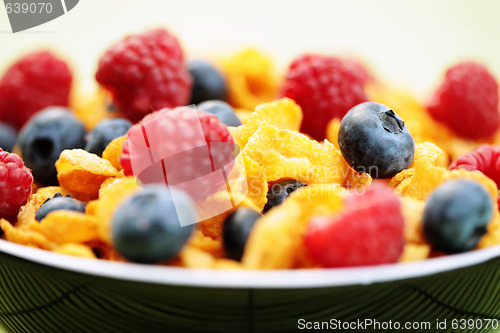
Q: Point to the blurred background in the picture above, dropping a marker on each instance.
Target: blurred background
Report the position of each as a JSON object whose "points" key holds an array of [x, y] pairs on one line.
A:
{"points": [[408, 43]]}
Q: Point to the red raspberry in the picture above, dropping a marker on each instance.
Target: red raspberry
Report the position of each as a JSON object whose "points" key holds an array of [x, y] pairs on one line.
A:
{"points": [[325, 87], [485, 158], [145, 72], [15, 184], [368, 232], [178, 148], [467, 101], [33, 83]]}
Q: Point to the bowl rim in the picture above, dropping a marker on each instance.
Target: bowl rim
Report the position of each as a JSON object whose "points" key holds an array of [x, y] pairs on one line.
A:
{"points": [[260, 279]]}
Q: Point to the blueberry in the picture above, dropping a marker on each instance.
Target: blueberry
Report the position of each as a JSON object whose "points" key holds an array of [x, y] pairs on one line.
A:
{"points": [[222, 110], [149, 227], [278, 192], [58, 202], [105, 132], [8, 137], [208, 83], [236, 230], [374, 139], [45, 136], [456, 215]]}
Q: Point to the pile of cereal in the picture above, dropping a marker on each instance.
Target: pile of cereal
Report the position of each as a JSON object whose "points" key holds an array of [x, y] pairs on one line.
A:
{"points": [[232, 166]]}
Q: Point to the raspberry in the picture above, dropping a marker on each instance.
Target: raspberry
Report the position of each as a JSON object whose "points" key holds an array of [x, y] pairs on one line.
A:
{"points": [[485, 158], [145, 72], [368, 232], [467, 101], [33, 83], [170, 147], [325, 87], [15, 184]]}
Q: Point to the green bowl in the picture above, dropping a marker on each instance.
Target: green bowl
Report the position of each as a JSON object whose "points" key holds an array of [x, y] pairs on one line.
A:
{"points": [[42, 291]]}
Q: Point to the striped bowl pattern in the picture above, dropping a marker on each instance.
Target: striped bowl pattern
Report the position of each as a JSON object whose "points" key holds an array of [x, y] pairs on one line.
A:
{"points": [[37, 297]]}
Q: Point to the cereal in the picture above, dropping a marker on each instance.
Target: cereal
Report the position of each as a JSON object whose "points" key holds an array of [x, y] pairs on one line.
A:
{"points": [[24, 236], [220, 204], [285, 225], [226, 264], [92, 109], [75, 249], [109, 198], [425, 174], [415, 252], [64, 226], [195, 258], [332, 131], [288, 154], [283, 113], [207, 244], [256, 183], [251, 78], [82, 173], [113, 151]]}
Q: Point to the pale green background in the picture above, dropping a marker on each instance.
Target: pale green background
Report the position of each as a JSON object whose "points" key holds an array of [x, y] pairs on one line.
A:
{"points": [[407, 42]]}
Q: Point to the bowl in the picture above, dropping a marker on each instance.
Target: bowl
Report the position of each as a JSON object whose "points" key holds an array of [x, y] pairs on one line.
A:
{"points": [[49, 292]]}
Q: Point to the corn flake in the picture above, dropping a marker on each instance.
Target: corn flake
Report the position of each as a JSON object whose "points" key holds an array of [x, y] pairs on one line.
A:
{"points": [[251, 78], [283, 113], [25, 236], [110, 198], [82, 173], [288, 154], [276, 241], [64, 226], [113, 151], [75, 249], [415, 252]]}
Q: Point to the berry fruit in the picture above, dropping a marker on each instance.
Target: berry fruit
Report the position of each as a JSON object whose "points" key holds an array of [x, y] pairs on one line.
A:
{"points": [[182, 151], [374, 139], [369, 231], [208, 83], [222, 110], [236, 230], [325, 88], [145, 72], [105, 132], [456, 216], [58, 202], [15, 184], [467, 101], [486, 159], [278, 192], [37, 81], [150, 227], [8, 136], [43, 139]]}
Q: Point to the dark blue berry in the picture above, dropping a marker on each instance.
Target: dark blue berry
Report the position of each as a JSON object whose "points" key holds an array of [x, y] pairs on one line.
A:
{"points": [[58, 202], [208, 83], [8, 137], [375, 140], [278, 192], [236, 230], [222, 110], [149, 227], [105, 132], [44, 137], [456, 216]]}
